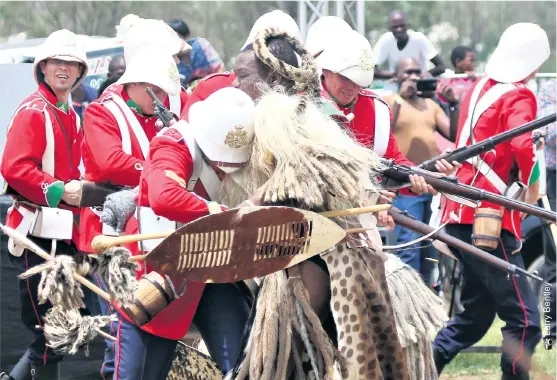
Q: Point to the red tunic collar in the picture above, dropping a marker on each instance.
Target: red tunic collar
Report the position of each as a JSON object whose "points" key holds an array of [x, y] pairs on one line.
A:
{"points": [[47, 93]]}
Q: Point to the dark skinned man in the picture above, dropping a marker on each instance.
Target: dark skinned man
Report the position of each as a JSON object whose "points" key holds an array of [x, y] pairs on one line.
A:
{"points": [[403, 42]]}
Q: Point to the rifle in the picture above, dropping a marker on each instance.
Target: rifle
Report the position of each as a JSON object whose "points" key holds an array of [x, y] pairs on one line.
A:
{"points": [[464, 153], [164, 115], [399, 173], [404, 220]]}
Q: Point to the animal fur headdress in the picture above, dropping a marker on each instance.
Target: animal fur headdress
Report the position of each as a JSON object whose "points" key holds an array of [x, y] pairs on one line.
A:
{"points": [[302, 158], [305, 77]]}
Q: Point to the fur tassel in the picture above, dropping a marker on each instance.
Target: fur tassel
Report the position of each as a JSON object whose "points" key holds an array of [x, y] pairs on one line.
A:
{"points": [[57, 283], [119, 274], [418, 313], [66, 330], [86, 264], [37, 269], [119, 208]]}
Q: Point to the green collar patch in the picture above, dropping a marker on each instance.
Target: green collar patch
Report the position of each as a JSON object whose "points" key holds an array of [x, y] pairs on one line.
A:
{"points": [[133, 105], [64, 107]]}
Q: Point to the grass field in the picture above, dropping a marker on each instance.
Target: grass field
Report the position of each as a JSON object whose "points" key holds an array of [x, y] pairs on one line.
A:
{"points": [[486, 366]]}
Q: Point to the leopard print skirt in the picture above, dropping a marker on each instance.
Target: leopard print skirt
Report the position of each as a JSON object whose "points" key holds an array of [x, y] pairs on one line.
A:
{"points": [[360, 303], [191, 364]]}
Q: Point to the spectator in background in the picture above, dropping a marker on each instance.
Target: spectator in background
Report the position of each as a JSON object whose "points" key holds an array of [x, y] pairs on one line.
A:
{"points": [[414, 124], [463, 59], [203, 59], [402, 42], [116, 68], [81, 97]]}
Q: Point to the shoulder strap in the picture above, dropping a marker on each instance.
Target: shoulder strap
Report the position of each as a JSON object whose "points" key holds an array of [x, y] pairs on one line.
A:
{"points": [[122, 125], [175, 104], [127, 114], [382, 127], [189, 140], [211, 182], [476, 109], [201, 170], [48, 155], [16, 112]]}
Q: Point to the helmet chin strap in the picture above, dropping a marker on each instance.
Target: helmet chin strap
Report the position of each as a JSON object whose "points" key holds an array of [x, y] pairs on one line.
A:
{"points": [[228, 169]]}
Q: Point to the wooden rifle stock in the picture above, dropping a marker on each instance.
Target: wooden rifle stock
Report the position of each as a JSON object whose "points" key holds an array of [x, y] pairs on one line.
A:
{"points": [[400, 173], [424, 229], [466, 152]]}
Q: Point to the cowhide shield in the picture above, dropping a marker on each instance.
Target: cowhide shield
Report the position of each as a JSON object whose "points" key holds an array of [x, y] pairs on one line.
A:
{"points": [[243, 243], [191, 364]]}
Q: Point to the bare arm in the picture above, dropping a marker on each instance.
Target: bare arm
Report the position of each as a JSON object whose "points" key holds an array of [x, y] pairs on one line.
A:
{"points": [[383, 74], [439, 66], [448, 126]]}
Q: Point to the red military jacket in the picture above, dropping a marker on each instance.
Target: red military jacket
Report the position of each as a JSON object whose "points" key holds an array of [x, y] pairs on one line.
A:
{"points": [[163, 188], [365, 124], [205, 87], [104, 158], [26, 144], [509, 111]]}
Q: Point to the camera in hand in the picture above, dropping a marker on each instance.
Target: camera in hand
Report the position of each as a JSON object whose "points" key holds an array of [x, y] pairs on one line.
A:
{"points": [[427, 87]]}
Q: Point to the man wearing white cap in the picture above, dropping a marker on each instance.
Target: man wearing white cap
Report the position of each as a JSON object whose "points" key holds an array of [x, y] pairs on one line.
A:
{"points": [[274, 19], [40, 165], [156, 37], [184, 170], [322, 31], [117, 130], [498, 102], [347, 69], [106, 151]]}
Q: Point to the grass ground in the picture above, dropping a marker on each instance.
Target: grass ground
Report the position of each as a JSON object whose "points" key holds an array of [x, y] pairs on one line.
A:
{"points": [[472, 366]]}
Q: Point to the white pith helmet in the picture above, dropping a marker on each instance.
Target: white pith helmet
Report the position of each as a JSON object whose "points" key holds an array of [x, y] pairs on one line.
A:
{"points": [[351, 56], [322, 31], [63, 45], [223, 125], [522, 49], [149, 34], [155, 68]]}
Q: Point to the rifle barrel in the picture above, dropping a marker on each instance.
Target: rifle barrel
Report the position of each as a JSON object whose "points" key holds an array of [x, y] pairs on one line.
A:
{"points": [[464, 153], [425, 229], [401, 173]]}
